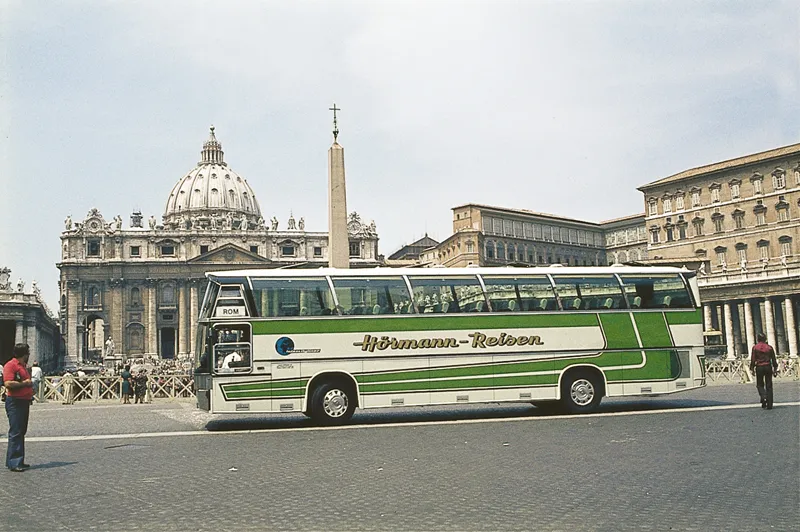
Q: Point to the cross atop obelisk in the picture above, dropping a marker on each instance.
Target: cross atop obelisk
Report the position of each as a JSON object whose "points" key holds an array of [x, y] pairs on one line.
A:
{"points": [[335, 125], [338, 237]]}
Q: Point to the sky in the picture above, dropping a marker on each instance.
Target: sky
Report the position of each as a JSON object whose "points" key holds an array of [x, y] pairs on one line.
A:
{"points": [[562, 107]]}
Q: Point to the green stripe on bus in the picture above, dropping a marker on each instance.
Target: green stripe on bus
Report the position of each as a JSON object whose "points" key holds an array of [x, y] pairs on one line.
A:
{"points": [[661, 365], [690, 317], [619, 331], [485, 382], [653, 329], [422, 323]]}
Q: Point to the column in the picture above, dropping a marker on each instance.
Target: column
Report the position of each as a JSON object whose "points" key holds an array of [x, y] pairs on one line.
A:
{"points": [[71, 322], [750, 330], [33, 344], [708, 323], [80, 331], [770, 324], [19, 337], [791, 328], [152, 333], [116, 316], [182, 312], [729, 338], [193, 312]]}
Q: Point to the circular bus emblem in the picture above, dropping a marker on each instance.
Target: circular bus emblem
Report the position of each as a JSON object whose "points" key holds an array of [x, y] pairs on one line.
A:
{"points": [[284, 346]]}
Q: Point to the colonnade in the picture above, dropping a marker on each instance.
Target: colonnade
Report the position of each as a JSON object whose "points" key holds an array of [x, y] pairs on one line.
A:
{"points": [[740, 322]]}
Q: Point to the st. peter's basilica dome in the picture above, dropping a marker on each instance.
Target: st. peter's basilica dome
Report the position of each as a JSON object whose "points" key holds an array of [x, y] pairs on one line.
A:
{"points": [[210, 190]]}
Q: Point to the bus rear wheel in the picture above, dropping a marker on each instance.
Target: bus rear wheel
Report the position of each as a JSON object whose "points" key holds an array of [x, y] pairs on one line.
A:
{"points": [[332, 403], [581, 392]]}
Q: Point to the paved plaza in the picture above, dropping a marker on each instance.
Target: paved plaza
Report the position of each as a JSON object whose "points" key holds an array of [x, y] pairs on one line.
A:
{"points": [[693, 461]]}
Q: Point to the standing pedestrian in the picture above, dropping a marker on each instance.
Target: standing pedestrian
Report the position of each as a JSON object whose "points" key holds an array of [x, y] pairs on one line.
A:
{"points": [[762, 359], [126, 385], [19, 388], [36, 377], [140, 386]]}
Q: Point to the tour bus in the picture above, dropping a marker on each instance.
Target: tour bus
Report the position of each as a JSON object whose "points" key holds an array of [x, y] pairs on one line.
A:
{"points": [[327, 341]]}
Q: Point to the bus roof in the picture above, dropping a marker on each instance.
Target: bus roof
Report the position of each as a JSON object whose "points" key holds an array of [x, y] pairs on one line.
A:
{"points": [[440, 272]]}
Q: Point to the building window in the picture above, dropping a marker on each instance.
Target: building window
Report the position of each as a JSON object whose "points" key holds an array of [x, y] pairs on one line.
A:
{"points": [[254, 249], [287, 250], [93, 297], [136, 251], [667, 205], [93, 248], [653, 207], [355, 249], [654, 236], [168, 295], [679, 205], [168, 250], [786, 246], [734, 190], [501, 251], [317, 251], [719, 224], [470, 247], [715, 195], [203, 249], [698, 227], [783, 214], [761, 218], [682, 232], [738, 219], [695, 198], [763, 250], [721, 258], [669, 234], [741, 251], [779, 179], [136, 297], [757, 186]]}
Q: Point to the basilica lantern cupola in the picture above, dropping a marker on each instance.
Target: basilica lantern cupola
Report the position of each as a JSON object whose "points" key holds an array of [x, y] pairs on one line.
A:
{"points": [[212, 195]]}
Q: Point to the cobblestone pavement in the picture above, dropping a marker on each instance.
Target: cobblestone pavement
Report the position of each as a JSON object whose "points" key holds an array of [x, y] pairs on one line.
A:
{"points": [[505, 468]]}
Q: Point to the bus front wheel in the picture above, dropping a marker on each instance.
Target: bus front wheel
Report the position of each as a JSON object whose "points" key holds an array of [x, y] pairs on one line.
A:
{"points": [[332, 403], [581, 392]]}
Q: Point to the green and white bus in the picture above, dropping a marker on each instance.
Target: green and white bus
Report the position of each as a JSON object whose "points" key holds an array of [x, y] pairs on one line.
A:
{"points": [[325, 342]]}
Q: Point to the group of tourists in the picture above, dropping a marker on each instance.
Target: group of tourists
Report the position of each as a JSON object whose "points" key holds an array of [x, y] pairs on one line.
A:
{"points": [[133, 385]]}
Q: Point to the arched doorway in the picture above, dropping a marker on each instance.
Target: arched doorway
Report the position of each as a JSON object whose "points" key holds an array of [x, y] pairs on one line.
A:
{"points": [[93, 339]]}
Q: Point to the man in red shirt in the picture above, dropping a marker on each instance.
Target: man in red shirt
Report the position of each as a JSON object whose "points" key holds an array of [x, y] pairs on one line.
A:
{"points": [[19, 388], [762, 359]]}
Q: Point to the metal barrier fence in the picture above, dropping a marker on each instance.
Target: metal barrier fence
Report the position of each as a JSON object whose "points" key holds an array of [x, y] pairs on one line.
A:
{"points": [[96, 388], [738, 369]]}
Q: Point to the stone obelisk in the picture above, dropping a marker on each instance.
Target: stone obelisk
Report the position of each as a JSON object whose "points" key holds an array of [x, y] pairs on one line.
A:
{"points": [[338, 242]]}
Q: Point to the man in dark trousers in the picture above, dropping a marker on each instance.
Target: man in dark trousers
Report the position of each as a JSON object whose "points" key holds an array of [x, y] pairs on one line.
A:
{"points": [[762, 359], [17, 381]]}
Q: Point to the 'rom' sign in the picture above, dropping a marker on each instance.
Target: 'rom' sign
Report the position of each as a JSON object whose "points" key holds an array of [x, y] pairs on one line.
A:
{"points": [[231, 312]]}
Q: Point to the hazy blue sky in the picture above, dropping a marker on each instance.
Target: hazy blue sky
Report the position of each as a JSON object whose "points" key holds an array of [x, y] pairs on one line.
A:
{"points": [[562, 107]]}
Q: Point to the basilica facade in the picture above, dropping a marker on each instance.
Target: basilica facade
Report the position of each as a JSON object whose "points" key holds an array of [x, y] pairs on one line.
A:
{"points": [[136, 291]]}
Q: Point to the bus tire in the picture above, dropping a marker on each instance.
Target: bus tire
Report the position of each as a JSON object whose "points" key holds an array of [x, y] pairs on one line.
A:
{"points": [[581, 392], [332, 403]]}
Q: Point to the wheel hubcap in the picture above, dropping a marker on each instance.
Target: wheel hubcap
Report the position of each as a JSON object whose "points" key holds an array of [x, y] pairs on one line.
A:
{"points": [[335, 403], [582, 392]]}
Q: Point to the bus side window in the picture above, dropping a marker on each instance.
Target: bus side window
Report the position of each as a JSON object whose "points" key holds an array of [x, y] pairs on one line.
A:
{"points": [[598, 293], [656, 292]]}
